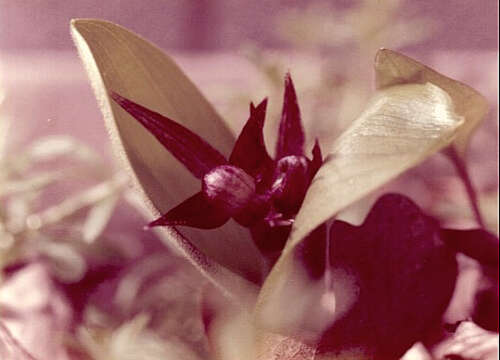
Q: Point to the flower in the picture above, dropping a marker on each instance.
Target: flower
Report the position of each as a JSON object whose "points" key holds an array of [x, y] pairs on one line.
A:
{"points": [[335, 289], [265, 195], [260, 193]]}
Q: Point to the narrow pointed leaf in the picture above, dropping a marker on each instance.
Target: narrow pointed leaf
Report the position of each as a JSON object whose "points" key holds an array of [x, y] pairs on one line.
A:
{"points": [[120, 61], [392, 68], [249, 152], [190, 149], [196, 212], [478, 244], [291, 134]]}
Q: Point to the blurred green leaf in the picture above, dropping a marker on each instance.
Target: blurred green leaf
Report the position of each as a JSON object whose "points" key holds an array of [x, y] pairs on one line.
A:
{"points": [[98, 217]]}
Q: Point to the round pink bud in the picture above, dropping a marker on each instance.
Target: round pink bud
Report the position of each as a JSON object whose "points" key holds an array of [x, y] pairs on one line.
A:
{"points": [[229, 186]]}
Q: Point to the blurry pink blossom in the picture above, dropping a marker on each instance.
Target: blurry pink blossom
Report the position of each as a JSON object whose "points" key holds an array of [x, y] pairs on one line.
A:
{"points": [[34, 313]]}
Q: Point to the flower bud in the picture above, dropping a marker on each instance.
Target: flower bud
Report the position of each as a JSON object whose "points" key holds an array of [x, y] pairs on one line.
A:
{"points": [[229, 186], [291, 180]]}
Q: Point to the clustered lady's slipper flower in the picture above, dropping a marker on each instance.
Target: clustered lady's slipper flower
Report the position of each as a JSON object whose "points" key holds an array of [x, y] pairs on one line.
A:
{"points": [[258, 192], [335, 291]]}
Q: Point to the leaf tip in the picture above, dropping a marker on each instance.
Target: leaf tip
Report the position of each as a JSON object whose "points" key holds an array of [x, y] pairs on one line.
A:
{"points": [[82, 23], [382, 55], [387, 71], [263, 104], [289, 86]]}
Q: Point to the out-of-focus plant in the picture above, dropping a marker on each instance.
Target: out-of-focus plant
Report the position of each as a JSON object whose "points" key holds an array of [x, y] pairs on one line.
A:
{"points": [[334, 46], [33, 227], [48, 230], [338, 293], [55, 255]]}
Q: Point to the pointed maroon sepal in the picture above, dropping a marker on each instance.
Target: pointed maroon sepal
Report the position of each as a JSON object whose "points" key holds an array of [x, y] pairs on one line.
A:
{"points": [[316, 161], [291, 134], [249, 152], [252, 106], [191, 150], [197, 211]]}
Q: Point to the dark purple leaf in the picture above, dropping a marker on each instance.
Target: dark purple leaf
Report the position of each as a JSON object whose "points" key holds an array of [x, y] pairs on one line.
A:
{"points": [[291, 134], [478, 244], [486, 304], [404, 273], [482, 246], [197, 211], [191, 150], [249, 152]]}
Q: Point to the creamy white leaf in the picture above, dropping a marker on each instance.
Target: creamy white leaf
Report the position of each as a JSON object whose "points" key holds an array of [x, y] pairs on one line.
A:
{"points": [[120, 61]]}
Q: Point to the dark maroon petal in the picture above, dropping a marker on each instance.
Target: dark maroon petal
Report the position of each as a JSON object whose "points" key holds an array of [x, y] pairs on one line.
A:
{"points": [[270, 240], [317, 159], [404, 274], [486, 305], [197, 212], [197, 155], [478, 244], [254, 211], [291, 134], [249, 152], [290, 184]]}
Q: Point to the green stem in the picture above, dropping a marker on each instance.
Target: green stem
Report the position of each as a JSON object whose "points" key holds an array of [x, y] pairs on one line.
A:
{"points": [[462, 172]]}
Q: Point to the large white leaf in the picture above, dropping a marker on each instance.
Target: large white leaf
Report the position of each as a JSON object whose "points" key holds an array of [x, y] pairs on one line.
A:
{"points": [[120, 61], [400, 127], [393, 68]]}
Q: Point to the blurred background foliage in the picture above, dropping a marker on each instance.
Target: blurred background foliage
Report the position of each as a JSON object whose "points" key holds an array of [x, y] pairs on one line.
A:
{"points": [[69, 221]]}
